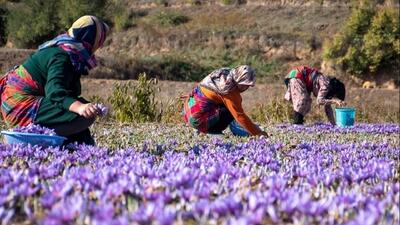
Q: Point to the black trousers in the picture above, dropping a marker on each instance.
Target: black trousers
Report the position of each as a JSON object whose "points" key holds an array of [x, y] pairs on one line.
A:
{"points": [[298, 118], [225, 118], [75, 131]]}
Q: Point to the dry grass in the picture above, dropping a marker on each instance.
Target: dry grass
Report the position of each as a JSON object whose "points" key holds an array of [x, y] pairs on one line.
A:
{"points": [[373, 105]]}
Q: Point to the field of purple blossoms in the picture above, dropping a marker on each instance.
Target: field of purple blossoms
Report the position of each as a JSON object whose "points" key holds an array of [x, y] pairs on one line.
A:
{"points": [[169, 174]]}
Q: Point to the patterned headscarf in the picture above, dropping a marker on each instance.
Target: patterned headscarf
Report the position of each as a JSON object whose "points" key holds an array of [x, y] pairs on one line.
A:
{"points": [[225, 80], [85, 36]]}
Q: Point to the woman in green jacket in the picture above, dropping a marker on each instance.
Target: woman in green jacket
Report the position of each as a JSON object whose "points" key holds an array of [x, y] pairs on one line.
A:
{"points": [[45, 89]]}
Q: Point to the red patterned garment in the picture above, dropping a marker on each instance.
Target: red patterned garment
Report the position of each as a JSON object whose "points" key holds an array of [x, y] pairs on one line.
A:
{"points": [[20, 97], [200, 112]]}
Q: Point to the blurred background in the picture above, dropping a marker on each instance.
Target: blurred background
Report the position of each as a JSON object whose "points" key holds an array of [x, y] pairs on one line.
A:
{"points": [[178, 42]]}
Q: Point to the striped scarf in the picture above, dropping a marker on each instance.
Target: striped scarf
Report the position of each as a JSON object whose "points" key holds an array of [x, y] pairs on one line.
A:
{"points": [[83, 38], [79, 54]]}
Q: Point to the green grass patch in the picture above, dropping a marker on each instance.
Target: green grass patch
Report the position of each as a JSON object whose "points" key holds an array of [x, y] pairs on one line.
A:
{"points": [[167, 19]]}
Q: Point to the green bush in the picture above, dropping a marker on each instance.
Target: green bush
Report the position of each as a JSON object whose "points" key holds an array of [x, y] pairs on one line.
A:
{"points": [[144, 109], [122, 102], [170, 18], [368, 42], [135, 103], [121, 18], [351, 36], [31, 22], [381, 43], [70, 10]]}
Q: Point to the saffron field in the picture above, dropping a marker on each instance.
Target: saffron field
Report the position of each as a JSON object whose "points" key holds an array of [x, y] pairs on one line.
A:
{"points": [[169, 174]]}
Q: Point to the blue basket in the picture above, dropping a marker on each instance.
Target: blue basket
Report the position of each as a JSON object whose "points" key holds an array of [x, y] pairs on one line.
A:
{"points": [[12, 137], [345, 116], [238, 130]]}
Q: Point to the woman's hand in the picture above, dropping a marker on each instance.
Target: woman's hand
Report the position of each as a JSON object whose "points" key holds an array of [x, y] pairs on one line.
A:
{"points": [[88, 110], [263, 133], [339, 102]]}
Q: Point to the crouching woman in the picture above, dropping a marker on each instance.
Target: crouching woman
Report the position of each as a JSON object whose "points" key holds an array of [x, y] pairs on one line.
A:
{"points": [[302, 82], [216, 101], [45, 89]]}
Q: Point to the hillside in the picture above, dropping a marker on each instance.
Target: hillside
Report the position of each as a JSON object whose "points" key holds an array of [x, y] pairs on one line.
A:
{"points": [[183, 40], [278, 35]]}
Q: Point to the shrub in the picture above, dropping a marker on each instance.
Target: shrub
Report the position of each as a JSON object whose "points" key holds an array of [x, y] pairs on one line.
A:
{"points": [[144, 109], [170, 18], [122, 20], [381, 43], [351, 36], [368, 42], [70, 10], [32, 22], [120, 16], [134, 103], [122, 102]]}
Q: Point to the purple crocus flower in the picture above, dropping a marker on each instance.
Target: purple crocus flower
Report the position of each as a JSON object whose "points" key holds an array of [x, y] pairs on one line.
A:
{"points": [[102, 109], [35, 129]]}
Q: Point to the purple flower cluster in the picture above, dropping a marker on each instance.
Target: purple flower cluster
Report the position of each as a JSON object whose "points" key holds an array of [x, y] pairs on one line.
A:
{"points": [[215, 182], [102, 109], [328, 128], [35, 129]]}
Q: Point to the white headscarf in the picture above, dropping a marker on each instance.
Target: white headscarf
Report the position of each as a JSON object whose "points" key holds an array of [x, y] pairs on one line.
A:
{"points": [[225, 80]]}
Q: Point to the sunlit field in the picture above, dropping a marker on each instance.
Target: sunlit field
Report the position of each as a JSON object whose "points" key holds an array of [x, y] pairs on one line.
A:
{"points": [[170, 174]]}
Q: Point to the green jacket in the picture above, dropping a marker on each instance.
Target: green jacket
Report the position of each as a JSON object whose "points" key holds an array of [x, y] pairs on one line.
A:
{"points": [[52, 69]]}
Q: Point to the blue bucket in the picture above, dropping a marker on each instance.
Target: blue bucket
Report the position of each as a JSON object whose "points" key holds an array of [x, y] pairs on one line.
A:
{"points": [[345, 116], [238, 130], [12, 137]]}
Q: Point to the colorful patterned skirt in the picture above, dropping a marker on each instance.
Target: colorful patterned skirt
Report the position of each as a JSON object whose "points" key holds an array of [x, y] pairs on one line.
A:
{"points": [[200, 112], [20, 97]]}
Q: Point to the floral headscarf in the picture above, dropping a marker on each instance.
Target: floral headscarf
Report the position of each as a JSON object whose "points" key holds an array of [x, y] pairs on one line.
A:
{"points": [[225, 80], [85, 36]]}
